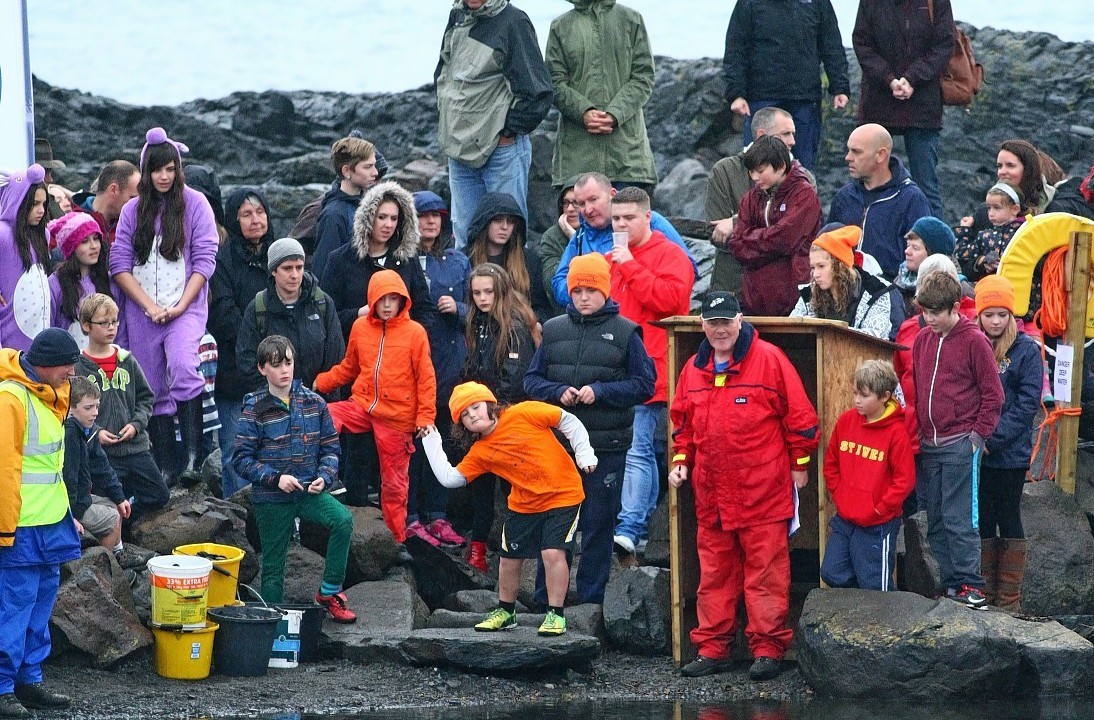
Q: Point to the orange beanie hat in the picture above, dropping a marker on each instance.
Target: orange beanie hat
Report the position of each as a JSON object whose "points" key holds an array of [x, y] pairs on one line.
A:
{"points": [[590, 271], [841, 243], [466, 395], [994, 291]]}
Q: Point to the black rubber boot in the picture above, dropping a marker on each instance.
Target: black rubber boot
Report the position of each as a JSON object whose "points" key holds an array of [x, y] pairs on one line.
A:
{"points": [[161, 431], [193, 448]]}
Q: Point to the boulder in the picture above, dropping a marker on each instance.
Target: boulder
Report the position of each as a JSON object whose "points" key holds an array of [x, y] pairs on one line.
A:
{"points": [[1060, 553], [636, 611], [584, 619], [384, 609], [684, 189], [476, 601], [95, 613], [303, 575], [440, 574], [657, 548], [372, 547], [515, 652], [196, 518], [417, 174], [703, 253], [210, 473], [920, 568], [865, 644]]}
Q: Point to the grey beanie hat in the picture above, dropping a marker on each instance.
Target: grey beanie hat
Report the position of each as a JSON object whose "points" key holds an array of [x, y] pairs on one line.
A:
{"points": [[282, 250]]}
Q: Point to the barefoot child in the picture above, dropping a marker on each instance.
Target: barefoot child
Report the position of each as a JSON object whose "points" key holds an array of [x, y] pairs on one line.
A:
{"points": [[518, 443]]}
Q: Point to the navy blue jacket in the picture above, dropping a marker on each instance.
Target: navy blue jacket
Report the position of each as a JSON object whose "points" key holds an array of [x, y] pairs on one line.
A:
{"points": [[86, 468], [1022, 374], [334, 226], [885, 214], [448, 275]]}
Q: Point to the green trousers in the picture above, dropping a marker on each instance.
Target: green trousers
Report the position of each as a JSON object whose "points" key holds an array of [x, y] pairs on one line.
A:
{"points": [[275, 529]]}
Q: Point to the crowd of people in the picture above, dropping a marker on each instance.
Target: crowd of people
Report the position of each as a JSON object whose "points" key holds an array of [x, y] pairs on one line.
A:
{"points": [[393, 331]]}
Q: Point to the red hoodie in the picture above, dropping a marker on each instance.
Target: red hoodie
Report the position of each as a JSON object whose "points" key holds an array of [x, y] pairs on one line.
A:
{"points": [[653, 286], [956, 383], [771, 240], [869, 466]]}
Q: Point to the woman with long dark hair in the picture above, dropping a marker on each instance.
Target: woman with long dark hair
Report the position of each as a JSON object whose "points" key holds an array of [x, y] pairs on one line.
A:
{"points": [[163, 255], [24, 258], [84, 271]]}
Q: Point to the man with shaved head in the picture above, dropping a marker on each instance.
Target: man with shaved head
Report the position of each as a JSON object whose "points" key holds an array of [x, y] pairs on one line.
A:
{"points": [[881, 198]]}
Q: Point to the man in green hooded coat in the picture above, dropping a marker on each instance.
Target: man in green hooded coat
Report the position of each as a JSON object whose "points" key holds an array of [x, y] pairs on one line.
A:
{"points": [[601, 66]]}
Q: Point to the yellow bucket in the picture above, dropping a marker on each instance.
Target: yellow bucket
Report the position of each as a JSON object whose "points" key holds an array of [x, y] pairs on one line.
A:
{"points": [[179, 587], [184, 653], [225, 576]]}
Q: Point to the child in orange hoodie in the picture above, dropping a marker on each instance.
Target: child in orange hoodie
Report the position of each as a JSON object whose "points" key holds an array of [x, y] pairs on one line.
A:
{"points": [[394, 390], [869, 469]]}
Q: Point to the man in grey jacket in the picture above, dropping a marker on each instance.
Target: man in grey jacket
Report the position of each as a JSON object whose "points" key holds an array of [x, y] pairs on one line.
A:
{"points": [[492, 92]]}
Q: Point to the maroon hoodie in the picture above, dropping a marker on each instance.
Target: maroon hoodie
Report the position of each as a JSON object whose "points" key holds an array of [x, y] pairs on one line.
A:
{"points": [[957, 385], [771, 240]]}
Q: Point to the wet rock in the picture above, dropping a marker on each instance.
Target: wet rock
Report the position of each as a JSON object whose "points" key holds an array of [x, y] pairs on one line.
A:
{"points": [[95, 613], [636, 611], [195, 518], [684, 189], [384, 609], [703, 253], [1082, 625], [440, 574], [513, 652], [1060, 553], [584, 619], [372, 547], [417, 174], [865, 644], [657, 548], [920, 568]]}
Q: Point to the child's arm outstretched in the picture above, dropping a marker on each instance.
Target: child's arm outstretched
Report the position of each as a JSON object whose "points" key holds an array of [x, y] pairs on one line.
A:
{"points": [[578, 437], [447, 475]]}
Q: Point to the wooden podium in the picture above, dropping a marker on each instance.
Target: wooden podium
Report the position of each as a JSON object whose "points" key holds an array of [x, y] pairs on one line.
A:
{"points": [[826, 354]]}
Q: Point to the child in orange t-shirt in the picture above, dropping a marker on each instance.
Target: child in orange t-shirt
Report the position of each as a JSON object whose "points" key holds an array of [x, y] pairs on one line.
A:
{"points": [[394, 390], [517, 443]]}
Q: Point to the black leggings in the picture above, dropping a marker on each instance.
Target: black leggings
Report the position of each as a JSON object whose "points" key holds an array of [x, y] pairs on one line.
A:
{"points": [[1000, 499]]}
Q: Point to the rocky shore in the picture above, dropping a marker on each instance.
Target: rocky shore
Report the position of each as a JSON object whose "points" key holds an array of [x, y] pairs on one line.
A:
{"points": [[1037, 87]]}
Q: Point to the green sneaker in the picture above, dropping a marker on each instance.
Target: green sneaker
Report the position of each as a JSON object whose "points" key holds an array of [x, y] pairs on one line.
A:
{"points": [[500, 619], [552, 624]]}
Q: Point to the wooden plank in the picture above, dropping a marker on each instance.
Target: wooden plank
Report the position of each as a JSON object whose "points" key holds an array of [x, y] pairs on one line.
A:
{"points": [[1075, 336]]}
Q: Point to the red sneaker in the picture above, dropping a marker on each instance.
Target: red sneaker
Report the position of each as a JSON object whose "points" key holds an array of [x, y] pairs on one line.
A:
{"points": [[416, 529], [444, 532], [337, 608], [476, 556]]}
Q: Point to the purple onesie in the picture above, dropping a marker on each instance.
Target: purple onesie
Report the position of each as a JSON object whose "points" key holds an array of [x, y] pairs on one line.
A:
{"points": [[24, 295], [169, 353]]}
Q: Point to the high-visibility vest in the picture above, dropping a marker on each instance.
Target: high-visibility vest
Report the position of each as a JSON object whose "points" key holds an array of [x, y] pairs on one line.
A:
{"points": [[43, 491]]}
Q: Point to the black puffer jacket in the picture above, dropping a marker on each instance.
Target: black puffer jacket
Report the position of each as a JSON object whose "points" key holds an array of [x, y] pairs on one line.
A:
{"points": [[350, 267], [507, 381], [240, 274]]}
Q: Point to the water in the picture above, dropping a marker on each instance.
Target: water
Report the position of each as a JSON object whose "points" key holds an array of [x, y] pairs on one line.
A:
{"points": [[170, 51], [744, 710]]}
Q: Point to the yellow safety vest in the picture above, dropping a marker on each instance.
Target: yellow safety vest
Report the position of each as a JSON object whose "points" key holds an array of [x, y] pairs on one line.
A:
{"points": [[43, 491]]}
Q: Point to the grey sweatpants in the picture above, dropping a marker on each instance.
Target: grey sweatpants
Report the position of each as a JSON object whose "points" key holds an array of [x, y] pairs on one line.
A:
{"points": [[946, 479]]}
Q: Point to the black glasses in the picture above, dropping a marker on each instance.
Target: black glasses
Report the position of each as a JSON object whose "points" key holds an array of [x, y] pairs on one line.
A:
{"points": [[573, 203], [104, 323]]}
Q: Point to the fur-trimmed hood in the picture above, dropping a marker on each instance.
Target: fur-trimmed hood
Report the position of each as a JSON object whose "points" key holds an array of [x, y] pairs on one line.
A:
{"points": [[404, 244]]}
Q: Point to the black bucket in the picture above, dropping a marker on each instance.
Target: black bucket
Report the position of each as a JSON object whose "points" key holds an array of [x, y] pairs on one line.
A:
{"points": [[245, 639], [311, 626]]}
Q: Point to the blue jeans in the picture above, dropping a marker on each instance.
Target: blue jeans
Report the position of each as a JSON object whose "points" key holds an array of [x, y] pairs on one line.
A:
{"points": [[229, 411], [641, 480], [807, 127], [922, 148], [505, 172]]}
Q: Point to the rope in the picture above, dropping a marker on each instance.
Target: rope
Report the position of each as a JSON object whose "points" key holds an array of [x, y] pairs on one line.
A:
{"points": [[1048, 462], [1052, 316]]}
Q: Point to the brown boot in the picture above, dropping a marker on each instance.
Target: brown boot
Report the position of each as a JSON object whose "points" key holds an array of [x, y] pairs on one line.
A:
{"points": [[1012, 569], [989, 567]]}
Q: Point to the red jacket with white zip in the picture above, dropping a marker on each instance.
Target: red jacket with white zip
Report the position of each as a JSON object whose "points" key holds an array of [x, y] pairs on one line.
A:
{"points": [[741, 432], [869, 466], [957, 386]]}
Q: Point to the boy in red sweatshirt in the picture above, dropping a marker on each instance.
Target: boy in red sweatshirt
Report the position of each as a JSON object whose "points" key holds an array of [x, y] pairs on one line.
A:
{"points": [[958, 401], [870, 469], [394, 390]]}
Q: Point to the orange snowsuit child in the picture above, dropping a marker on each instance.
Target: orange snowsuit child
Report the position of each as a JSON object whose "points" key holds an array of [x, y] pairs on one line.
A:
{"points": [[394, 389]]}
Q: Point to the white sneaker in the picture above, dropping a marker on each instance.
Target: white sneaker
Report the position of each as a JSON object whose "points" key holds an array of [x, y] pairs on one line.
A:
{"points": [[623, 544]]}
